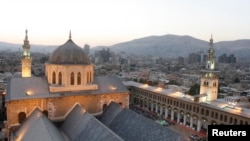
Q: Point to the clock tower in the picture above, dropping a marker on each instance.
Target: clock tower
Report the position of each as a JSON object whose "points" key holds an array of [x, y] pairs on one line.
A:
{"points": [[26, 58]]}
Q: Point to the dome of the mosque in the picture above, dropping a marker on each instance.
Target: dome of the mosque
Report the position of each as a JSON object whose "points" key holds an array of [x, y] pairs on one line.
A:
{"points": [[69, 53]]}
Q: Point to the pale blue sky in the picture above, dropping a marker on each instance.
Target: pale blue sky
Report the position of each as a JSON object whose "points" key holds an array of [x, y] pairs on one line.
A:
{"points": [[106, 22]]}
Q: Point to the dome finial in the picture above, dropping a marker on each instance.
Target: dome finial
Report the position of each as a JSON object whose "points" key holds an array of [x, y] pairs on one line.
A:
{"points": [[70, 34]]}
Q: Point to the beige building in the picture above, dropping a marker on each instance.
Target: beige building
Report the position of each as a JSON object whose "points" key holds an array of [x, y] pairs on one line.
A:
{"points": [[69, 80], [180, 108]]}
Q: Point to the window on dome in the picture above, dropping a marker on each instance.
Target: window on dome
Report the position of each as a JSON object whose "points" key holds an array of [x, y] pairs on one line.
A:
{"points": [[72, 78], [60, 78], [53, 78], [78, 78]]}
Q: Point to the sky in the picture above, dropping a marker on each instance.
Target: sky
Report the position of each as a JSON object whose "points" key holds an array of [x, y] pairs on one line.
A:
{"points": [[107, 22]]}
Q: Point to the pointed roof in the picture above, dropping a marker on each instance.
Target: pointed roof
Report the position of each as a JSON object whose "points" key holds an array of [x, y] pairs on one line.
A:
{"points": [[134, 127], [38, 127], [80, 125]]}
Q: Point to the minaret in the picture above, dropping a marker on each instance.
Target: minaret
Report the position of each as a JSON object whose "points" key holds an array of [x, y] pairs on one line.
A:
{"points": [[26, 58], [209, 78]]}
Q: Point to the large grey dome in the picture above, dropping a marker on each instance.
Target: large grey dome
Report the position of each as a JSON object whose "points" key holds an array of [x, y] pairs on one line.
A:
{"points": [[69, 53]]}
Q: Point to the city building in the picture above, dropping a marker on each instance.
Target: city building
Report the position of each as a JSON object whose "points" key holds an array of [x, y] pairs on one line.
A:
{"points": [[86, 49], [227, 59], [102, 56], [199, 57], [198, 111]]}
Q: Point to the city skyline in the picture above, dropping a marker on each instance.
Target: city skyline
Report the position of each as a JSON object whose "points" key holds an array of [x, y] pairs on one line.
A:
{"points": [[109, 22]]}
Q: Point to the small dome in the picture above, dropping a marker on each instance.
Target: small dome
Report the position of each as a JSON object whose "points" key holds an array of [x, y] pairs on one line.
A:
{"points": [[69, 53]]}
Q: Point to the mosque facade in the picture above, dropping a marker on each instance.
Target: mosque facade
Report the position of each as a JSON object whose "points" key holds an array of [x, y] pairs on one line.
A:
{"points": [[69, 80]]}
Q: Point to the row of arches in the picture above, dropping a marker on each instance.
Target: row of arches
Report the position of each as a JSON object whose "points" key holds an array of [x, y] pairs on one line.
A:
{"points": [[201, 111], [75, 78], [182, 111]]}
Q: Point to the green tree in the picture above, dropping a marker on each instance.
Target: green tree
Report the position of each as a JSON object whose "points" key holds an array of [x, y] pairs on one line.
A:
{"points": [[194, 90], [236, 80], [173, 82]]}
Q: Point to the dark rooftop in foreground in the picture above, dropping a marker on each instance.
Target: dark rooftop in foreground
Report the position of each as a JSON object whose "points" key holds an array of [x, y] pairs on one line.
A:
{"points": [[134, 127], [115, 124]]}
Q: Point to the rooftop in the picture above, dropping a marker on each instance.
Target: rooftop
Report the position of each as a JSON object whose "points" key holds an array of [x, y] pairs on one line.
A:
{"points": [[219, 104], [37, 87], [115, 124]]}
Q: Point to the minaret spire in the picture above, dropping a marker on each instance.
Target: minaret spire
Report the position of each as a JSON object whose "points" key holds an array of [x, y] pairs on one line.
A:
{"points": [[211, 59], [26, 35], [211, 40], [26, 46], [70, 34]]}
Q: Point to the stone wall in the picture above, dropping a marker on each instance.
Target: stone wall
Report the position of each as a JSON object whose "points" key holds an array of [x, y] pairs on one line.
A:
{"points": [[58, 107]]}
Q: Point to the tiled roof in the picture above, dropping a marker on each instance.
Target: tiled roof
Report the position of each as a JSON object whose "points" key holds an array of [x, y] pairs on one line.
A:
{"points": [[37, 127], [37, 87], [133, 127]]}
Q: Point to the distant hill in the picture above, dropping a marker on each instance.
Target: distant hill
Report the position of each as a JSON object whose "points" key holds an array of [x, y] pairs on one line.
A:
{"points": [[34, 48], [173, 46], [240, 48]]}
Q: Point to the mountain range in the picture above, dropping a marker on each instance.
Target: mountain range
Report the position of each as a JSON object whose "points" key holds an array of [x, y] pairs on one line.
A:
{"points": [[173, 46], [166, 46]]}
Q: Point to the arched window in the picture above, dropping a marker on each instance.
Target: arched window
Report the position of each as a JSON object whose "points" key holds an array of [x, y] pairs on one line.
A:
{"points": [[21, 117], [87, 77], [235, 121], [78, 78], [54, 77], [214, 84], [72, 78], [90, 78], [60, 78]]}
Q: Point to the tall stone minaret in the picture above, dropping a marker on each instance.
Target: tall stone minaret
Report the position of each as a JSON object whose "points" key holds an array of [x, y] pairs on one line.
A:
{"points": [[26, 58], [209, 78]]}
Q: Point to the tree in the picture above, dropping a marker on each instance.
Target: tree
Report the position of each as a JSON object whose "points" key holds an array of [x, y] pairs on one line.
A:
{"points": [[194, 90], [236, 80], [173, 82]]}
